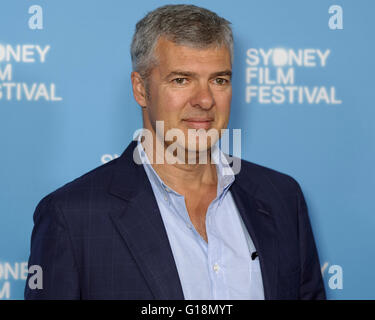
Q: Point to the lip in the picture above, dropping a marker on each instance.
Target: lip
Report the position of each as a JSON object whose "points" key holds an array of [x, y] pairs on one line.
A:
{"points": [[197, 123]]}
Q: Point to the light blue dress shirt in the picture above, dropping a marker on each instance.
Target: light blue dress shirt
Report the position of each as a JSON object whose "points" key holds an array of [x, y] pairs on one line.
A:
{"points": [[220, 268]]}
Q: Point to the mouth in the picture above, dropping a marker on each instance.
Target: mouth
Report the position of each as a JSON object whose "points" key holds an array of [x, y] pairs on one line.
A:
{"points": [[197, 123]]}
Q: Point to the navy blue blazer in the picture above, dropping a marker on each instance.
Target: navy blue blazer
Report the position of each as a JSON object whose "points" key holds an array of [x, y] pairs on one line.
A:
{"points": [[101, 236]]}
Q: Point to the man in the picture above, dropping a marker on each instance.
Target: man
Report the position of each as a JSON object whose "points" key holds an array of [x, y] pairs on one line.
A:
{"points": [[153, 224]]}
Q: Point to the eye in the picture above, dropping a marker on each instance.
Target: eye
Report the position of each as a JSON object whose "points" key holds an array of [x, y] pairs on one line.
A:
{"points": [[180, 80], [221, 81]]}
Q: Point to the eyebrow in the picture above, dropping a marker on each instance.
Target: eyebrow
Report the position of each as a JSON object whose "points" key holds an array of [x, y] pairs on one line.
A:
{"points": [[192, 74]]}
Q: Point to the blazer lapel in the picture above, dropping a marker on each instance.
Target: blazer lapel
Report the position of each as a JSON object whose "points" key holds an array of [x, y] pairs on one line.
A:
{"points": [[141, 226], [258, 219]]}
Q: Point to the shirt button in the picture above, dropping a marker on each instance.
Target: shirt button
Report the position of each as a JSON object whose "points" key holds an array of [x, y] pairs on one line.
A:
{"points": [[216, 268]]}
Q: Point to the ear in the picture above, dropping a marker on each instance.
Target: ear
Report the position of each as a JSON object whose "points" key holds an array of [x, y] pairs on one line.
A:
{"points": [[139, 90]]}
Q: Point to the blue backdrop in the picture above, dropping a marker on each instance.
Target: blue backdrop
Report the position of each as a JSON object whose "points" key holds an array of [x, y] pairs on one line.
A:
{"points": [[303, 82]]}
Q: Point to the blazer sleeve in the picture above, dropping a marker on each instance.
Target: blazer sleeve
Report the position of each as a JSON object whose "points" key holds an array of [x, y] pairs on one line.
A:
{"points": [[311, 284], [51, 249]]}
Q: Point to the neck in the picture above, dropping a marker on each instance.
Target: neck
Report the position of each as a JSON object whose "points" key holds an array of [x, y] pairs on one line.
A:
{"points": [[184, 175]]}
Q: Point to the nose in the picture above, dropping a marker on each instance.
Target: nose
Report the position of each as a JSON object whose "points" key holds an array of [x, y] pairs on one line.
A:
{"points": [[203, 97]]}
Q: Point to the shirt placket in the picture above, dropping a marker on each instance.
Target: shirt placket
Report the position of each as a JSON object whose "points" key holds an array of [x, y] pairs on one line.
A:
{"points": [[214, 254]]}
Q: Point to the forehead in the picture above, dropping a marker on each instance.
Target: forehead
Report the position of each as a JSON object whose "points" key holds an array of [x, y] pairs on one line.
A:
{"points": [[170, 55]]}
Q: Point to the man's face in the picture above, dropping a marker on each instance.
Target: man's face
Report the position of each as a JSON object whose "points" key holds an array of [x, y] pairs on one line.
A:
{"points": [[189, 88]]}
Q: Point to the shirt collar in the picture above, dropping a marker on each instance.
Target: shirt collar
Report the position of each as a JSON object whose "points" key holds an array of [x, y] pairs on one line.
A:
{"points": [[225, 175], [154, 178]]}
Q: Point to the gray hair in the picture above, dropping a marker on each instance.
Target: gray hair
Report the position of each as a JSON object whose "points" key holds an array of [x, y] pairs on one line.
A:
{"points": [[182, 24]]}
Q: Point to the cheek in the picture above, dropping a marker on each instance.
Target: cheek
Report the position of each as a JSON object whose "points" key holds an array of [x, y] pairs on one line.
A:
{"points": [[174, 100], [223, 102], [167, 105], [158, 104], [170, 105]]}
